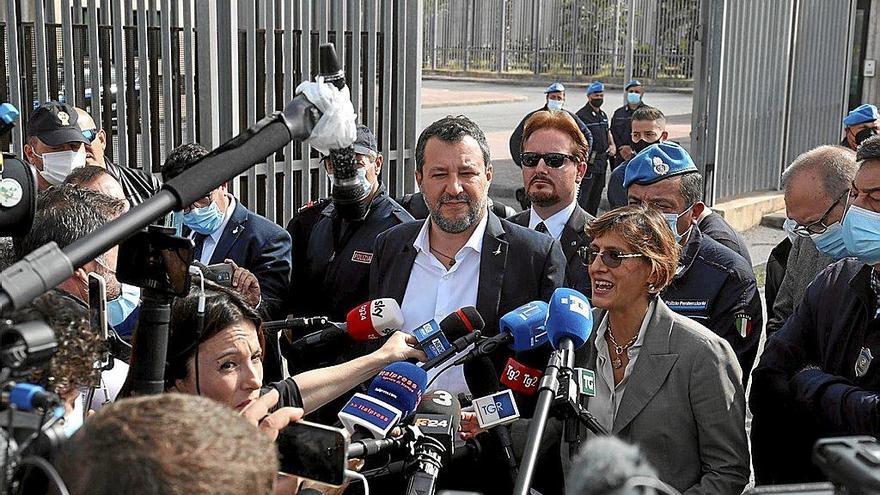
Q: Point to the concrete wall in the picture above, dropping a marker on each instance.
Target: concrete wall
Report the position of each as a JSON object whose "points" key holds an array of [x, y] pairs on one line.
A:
{"points": [[871, 85]]}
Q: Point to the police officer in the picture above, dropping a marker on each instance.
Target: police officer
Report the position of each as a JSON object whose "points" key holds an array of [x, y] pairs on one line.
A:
{"points": [[620, 122], [603, 148], [860, 124], [554, 100], [713, 285], [818, 376], [332, 251]]}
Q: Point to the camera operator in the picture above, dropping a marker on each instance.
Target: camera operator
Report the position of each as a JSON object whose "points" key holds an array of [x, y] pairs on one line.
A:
{"points": [[224, 362]]}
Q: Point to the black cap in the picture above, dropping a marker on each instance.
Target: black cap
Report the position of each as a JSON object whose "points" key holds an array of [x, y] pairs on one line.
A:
{"points": [[55, 124], [365, 144]]}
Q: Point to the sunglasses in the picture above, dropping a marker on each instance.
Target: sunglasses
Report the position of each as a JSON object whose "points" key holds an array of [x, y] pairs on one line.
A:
{"points": [[90, 134], [552, 160], [610, 258]]}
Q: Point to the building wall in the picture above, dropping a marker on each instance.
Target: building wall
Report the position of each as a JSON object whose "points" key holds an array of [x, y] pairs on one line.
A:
{"points": [[871, 85]]}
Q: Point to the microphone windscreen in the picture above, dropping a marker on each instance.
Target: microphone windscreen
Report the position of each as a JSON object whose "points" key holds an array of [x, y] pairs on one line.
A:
{"points": [[461, 322], [441, 402], [569, 316], [401, 385], [374, 319], [526, 325]]}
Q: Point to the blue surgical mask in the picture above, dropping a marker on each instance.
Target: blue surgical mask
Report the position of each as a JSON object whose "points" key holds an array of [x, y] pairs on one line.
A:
{"points": [[861, 234], [788, 226], [555, 105], [633, 98], [204, 220], [119, 309], [830, 243], [672, 221]]}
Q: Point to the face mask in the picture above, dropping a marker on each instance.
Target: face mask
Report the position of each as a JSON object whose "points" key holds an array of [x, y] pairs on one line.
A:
{"points": [[554, 105], [788, 226], [597, 102], [861, 234], [672, 221], [633, 98], [865, 134], [59, 164], [641, 145], [205, 220], [119, 309], [830, 243]]}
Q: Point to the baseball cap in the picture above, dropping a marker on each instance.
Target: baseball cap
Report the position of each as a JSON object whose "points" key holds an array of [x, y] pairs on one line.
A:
{"points": [[365, 144], [55, 123]]}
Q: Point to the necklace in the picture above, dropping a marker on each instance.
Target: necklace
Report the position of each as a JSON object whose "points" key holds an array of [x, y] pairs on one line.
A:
{"points": [[619, 349], [450, 258]]}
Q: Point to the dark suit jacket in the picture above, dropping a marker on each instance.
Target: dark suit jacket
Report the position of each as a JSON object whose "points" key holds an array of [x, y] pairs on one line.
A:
{"points": [[259, 245], [572, 239], [517, 265]]}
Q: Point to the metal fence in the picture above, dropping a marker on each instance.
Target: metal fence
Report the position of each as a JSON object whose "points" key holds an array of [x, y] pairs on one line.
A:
{"points": [[772, 82], [158, 73], [575, 38]]}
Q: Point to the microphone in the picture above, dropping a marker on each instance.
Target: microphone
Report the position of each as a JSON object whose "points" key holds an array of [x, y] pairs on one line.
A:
{"points": [[496, 409], [569, 319], [464, 325], [367, 321], [439, 416], [522, 329], [393, 395], [520, 378]]}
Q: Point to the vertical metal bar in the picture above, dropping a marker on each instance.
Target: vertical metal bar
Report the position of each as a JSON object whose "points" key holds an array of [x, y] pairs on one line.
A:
{"points": [[354, 25], [400, 118], [189, 70], [536, 36], [306, 70], [499, 50], [289, 70], [105, 11], [576, 15], [415, 12], [370, 90], [339, 28], [468, 28], [387, 49], [94, 63], [322, 19], [269, 12], [144, 79], [434, 35], [67, 49], [227, 51], [121, 96], [167, 78], [40, 48], [206, 27], [250, 19], [14, 71], [630, 33]]}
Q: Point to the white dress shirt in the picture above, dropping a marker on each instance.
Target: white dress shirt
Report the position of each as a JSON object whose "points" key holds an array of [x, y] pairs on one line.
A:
{"points": [[211, 241], [433, 292], [608, 396], [556, 222]]}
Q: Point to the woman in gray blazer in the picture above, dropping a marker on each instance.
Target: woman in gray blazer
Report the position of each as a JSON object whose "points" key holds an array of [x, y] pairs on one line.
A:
{"points": [[662, 381]]}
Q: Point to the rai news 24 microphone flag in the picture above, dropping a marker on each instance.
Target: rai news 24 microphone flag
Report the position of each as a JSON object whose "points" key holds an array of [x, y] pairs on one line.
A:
{"points": [[392, 396]]}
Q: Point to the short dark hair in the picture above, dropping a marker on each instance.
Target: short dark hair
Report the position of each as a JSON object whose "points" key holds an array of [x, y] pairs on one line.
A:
{"points": [[649, 114], [66, 213], [691, 188], [85, 175], [182, 158], [168, 444], [451, 129], [223, 307], [869, 149]]}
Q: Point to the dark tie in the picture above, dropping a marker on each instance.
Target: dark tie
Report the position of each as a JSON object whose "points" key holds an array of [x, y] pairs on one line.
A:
{"points": [[541, 228], [199, 241]]}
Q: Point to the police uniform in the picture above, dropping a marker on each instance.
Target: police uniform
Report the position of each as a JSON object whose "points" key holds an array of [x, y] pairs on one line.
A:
{"points": [[594, 181], [860, 115], [712, 285], [621, 124], [818, 376]]}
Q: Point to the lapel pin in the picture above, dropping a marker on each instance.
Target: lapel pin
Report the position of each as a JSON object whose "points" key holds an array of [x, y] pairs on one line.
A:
{"points": [[236, 230], [497, 251]]}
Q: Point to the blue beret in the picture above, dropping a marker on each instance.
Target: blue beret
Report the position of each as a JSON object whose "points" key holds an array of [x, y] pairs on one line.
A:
{"points": [[596, 87], [860, 115], [632, 83], [555, 88], [657, 162]]}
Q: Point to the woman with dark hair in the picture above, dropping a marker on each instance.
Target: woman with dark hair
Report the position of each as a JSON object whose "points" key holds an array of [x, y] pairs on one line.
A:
{"points": [[662, 381], [222, 361]]}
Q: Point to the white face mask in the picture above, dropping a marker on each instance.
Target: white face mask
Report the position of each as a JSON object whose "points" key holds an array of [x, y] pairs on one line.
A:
{"points": [[554, 105], [59, 164]]}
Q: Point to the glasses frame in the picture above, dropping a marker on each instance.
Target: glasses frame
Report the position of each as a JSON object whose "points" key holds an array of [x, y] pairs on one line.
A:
{"points": [[92, 132], [818, 227], [610, 258], [527, 156]]}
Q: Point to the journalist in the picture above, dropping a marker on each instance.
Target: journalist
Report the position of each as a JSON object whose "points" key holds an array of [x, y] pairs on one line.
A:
{"points": [[224, 361]]}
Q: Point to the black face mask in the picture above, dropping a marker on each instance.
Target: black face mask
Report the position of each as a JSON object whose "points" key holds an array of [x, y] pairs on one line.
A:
{"points": [[640, 145], [597, 102], [865, 134]]}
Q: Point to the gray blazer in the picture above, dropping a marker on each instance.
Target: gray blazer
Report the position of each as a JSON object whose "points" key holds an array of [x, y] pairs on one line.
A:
{"points": [[684, 405]]}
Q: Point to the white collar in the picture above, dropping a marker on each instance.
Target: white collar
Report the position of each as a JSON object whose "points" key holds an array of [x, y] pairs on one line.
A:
{"points": [[556, 223], [475, 242], [230, 209]]}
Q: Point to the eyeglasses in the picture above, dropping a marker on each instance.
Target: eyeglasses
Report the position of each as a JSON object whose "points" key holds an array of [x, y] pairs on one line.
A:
{"points": [[90, 134], [552, 160], [819, 226], [610, 258]]}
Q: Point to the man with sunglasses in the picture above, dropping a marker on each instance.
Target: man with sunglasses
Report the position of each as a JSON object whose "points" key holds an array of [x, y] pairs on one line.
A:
{"points": [[815, 185], [137, 185], [553, 165], [818, 376], [713, 285]]}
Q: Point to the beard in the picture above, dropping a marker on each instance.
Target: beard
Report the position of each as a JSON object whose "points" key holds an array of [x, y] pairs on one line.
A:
{"points": [[543, 197], [458, 225]]}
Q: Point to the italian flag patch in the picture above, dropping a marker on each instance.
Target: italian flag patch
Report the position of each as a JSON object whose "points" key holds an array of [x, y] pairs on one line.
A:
{"points": [[744, 325]]}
